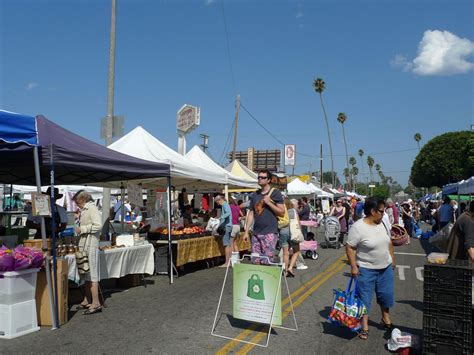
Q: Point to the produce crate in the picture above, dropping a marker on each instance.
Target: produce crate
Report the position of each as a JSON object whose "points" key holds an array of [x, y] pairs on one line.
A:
{"points": [[445, 347], [454, 275], [18, 319], [17, 286], [455, 327]]}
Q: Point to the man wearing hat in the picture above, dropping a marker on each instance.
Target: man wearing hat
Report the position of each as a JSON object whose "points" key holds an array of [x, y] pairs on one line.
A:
{"points": [[60, 217]]}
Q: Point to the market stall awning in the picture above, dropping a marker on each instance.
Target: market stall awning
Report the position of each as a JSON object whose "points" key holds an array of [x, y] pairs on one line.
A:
{"points": [[197, 156], [467, 186], [75, 160], [298, 187], [239, 169], [451, 189]]}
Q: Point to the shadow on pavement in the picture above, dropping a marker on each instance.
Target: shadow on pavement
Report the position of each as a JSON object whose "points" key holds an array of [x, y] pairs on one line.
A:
{"points": [[427, 247], [418, 305]]}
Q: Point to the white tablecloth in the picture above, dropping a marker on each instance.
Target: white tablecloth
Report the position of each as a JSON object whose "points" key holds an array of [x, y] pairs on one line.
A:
{"points": [[115, 263]]}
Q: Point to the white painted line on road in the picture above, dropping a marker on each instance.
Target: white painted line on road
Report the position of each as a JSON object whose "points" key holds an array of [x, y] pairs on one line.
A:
{"points": [[419, 273], [401, 271], [415, 254]]}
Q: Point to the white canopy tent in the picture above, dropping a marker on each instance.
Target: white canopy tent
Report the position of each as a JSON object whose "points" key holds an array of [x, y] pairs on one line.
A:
{"points": [[184, 173], [197, 156], [299, 188], [319, 192]]}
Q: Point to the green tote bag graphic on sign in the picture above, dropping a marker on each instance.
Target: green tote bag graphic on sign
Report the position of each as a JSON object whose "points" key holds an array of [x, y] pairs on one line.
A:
{"points": [[255, 288]]}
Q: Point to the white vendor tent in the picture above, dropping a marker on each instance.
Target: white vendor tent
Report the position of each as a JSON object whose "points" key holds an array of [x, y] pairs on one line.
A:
{"points": [[197, 156], [319, 192], [184, 173], [298, 187]]}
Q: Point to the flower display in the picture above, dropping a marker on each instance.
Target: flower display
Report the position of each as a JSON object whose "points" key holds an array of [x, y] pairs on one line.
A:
{"points": [[20, 258]]}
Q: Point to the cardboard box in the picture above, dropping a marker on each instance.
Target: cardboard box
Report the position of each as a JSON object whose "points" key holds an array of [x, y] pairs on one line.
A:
{"points": [[43, 309], [36, 243]]}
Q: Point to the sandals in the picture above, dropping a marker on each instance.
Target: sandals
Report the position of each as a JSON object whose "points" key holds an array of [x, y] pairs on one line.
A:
{"points": [[91, 310], [289, 273], [363, 334], [386, 326], [83, 306]]}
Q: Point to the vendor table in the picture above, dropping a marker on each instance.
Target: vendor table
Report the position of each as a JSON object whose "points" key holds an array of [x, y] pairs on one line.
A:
{"points": [[200, 248], [118, 262]]}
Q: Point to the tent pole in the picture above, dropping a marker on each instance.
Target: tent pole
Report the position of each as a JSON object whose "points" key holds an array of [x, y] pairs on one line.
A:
{"points": [[170, 250], [122, 208], [53, 240], [45, 244]]}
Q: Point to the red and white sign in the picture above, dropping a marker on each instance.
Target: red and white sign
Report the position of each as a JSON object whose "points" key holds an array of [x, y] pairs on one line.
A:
{"points": [[290, 153], [188, 118]]}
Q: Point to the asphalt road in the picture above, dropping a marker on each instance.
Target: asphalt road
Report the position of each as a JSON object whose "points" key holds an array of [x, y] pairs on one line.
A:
{"points": [[177, 319]]}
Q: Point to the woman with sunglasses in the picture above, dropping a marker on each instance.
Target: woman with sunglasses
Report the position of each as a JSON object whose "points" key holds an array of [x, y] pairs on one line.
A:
{"points": [[370, 253]]}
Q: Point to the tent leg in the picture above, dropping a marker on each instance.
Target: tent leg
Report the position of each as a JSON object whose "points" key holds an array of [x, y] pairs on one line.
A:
{"points": [[45, 244], [170, 249]]}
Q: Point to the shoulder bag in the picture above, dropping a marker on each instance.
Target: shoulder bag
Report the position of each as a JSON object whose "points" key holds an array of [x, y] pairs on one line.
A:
{"points": [[295, 230], [82, 260]]}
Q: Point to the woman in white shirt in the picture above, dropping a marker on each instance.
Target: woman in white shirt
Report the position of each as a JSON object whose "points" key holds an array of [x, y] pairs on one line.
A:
{"points": [[370, 253]]}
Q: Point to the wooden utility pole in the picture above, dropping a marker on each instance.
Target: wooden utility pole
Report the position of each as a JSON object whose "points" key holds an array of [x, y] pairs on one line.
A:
{"points": [[321, 166], [237, 109]]}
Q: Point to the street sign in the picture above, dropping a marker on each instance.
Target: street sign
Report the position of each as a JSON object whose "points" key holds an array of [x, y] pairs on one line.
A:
{"points": [[187, 118], [290, 152], [371, 185]]}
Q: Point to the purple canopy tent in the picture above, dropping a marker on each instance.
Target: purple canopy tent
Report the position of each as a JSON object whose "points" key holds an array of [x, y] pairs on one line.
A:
{"points": [[34, 148]]}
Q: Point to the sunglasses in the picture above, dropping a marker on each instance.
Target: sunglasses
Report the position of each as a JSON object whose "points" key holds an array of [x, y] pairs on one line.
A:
{"points": [[262, 177], [381, 211]]}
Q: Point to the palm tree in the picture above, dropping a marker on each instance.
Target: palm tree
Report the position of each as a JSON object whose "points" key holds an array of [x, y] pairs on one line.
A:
{"points": [[378, 168], [342, 118], [417, 137], [354, 172], [361, 153], [370, 163], [352, 161], [319, 86], [347, 174]]}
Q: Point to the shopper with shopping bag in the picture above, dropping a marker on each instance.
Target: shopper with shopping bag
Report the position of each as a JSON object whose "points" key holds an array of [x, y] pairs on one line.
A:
{"points": [[370, 253], [347, 309]]}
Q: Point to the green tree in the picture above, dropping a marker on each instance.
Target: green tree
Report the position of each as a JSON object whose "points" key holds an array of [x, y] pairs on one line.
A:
{"points": [[381, 191], [354, 172], [342, 118], [370, 163], [417, 138], [319, 86], [446, 158], [352, 161], [328, 176]]}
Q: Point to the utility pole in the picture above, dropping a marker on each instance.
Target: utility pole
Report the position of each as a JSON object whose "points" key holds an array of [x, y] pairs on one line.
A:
{"points": [[205, 142], [110, 104], [237, 109], [321, 166]]}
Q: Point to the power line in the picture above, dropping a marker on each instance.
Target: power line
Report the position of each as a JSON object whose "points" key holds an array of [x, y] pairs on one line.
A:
{"points": [[261, 125], [228, 46]]}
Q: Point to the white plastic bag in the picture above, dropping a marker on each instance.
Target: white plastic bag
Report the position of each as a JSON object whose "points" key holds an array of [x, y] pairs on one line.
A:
{"points": [[212, 225], [399, 340]]}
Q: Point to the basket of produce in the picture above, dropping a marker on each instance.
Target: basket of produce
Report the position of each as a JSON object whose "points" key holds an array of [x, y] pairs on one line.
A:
{"points": [[399, 235]]}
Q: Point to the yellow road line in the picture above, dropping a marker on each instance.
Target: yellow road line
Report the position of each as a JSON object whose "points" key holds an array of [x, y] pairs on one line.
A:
{"points": [[233, 343], [257, 338]]}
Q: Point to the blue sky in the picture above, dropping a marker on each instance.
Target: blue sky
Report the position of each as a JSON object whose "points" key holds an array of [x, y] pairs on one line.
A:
{"points": [[394, 67]]}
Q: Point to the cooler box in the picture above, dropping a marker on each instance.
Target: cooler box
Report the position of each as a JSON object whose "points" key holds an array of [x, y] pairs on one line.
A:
{"points": [[17, 303]]}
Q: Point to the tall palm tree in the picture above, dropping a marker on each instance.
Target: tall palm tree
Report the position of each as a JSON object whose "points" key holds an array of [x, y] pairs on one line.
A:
{"points": [[319, 86], [370, 163], [354, 172], [417, 137], [347, 174], [352, 161], [361, 154], [378, 168], [342, 118]]}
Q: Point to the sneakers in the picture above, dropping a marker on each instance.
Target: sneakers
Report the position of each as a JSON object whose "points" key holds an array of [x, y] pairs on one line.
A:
{"points": [[302, 267]]}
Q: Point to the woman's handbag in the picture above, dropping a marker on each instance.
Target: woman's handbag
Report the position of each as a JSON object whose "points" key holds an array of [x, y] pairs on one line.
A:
{"points": [[347, 309], [295, 231], [82, 261]]}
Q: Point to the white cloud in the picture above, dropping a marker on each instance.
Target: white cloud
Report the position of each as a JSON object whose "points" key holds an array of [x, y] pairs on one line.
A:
{"points": [[439, 53], [31, 86], [209, 2]]}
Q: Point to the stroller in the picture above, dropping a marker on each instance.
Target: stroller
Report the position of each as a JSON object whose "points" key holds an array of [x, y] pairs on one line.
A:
{"points": [[308, 248], [332, 229]]}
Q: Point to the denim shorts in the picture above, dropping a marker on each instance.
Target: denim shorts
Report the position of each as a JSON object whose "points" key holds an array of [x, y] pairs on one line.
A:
{"points": [[378, 281], [227, 236]]}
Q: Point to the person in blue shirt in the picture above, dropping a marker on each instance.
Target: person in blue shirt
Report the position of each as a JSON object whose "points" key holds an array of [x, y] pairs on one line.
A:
{"points": [[226, 222], [446, 213]]}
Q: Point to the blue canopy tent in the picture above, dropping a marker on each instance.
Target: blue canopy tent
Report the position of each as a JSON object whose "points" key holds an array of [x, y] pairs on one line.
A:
{"points": [[34, 149], [450, 189], [466, 187]]}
